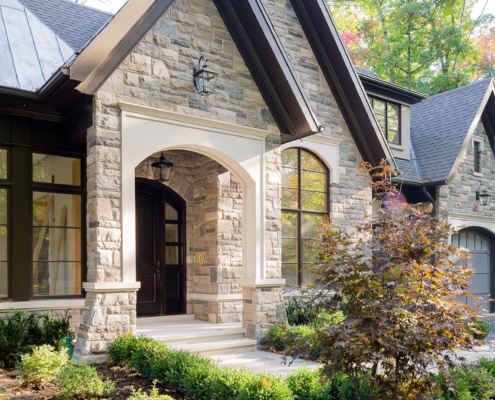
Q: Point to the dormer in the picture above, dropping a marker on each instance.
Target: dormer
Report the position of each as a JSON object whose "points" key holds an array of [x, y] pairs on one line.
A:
{"points": [[392, 107]]}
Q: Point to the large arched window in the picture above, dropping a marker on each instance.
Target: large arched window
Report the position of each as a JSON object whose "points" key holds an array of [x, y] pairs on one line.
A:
{"points": [[304, 206]]}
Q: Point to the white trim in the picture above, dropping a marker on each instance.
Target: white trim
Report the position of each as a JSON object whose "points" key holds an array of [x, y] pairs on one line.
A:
{"points": [[480, 140], [43, 304], [262, 282], [460, 221], [325, 147], [240, 149], [190, 120], [213, 297], [111, 286]]}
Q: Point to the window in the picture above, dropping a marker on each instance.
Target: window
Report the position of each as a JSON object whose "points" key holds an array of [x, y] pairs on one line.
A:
{"points": [[57, 225], [4, 228], [388, 116], [477, 156], [304, 207]]}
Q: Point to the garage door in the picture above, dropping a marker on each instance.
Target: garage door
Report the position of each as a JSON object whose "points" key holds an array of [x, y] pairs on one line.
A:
{"points": [[478, 246]]}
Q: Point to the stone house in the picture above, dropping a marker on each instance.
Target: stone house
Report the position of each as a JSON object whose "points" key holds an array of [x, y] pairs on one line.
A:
{"points": [[444, 145], [90, 101]]}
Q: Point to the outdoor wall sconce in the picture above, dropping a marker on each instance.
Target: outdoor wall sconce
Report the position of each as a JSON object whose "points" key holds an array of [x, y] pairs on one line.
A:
{"points": [[205, 79], [483, 197], [162, 169]]}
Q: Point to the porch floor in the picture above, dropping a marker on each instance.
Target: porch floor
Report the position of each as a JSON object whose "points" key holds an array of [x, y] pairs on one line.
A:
{"points": [[225, 343]]}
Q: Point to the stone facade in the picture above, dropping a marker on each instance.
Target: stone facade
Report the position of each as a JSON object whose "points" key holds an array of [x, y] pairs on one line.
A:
{"points": [[158, 74], [459, 196]]}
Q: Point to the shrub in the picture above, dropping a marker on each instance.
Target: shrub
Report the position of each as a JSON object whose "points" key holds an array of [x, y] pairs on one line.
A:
{"points": [[154, 395], [144, 351], [276, 336], [83, 382], [41, 367], [343, 388], [479, 329], [488, 365], [265, 387], [468, 382], [300, 312], [306, 384], [229, 382], [121, 350], [15, 336], [54, 329]]}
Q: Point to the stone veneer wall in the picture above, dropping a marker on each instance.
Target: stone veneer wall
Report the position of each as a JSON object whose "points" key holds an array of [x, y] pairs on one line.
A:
{"points": [[459, 196], [350, 199]]}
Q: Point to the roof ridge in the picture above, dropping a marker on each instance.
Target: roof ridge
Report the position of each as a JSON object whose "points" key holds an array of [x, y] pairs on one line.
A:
{"points": [[455, 90]]}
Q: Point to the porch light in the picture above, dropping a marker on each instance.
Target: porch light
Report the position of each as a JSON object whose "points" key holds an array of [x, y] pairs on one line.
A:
{"points": [[162, 169], [205, 79], [483, 197]]}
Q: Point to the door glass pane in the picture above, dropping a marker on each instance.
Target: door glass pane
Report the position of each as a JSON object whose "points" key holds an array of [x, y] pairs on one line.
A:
{"points": [[172, 255], [170, 212], [56, 169], [171, 233], [3, 164], [289, 273]]}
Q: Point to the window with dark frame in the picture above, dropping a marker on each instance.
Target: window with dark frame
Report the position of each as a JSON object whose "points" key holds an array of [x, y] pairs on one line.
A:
{"points": [[477, 156], [388, 116], [4, 227], [305, 204]]}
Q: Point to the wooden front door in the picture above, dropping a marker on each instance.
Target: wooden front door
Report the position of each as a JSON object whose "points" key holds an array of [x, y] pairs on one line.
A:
{"points": [[160, 258]]}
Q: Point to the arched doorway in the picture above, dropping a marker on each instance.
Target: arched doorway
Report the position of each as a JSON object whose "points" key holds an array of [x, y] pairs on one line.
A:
{"points": [[160, 249], [479, 247]]}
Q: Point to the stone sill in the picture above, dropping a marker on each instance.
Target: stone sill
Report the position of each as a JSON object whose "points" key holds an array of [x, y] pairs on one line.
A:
{"points": [[111, 286], [262, 282], [43, 304]]}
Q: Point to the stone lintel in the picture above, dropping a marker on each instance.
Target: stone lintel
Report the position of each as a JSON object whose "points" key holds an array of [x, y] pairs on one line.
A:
{"points": [[111, 286]]}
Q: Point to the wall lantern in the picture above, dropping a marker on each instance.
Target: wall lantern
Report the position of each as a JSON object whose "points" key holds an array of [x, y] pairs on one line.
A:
{"points": [[162, 169], [483, 197], [205, 79]]}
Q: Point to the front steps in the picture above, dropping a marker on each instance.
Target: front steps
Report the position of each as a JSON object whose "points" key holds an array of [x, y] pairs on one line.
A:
{"points": [[186, 333]]}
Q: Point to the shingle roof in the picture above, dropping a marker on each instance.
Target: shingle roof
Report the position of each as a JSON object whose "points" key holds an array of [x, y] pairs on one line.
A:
{"points": [[366, 72], [76, 24], [439, 125], [409, 170]]}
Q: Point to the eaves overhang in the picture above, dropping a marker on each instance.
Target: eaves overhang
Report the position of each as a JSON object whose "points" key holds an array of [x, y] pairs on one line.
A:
{"points": [[343, 80], [391, 90], [260, 47]]}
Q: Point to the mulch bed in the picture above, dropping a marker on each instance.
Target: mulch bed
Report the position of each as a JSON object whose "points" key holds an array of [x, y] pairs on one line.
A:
{"points": [[124, 379]]}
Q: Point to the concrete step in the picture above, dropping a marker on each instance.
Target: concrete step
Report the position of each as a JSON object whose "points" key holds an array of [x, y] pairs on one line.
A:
{"points": [[165, 319], [196, 336], [217, 347]]}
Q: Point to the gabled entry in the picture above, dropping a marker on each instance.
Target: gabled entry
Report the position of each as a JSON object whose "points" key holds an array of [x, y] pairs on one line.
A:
{"points": [[160, 258]]}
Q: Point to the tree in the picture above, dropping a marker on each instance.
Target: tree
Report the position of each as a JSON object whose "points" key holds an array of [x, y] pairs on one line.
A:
{"points": [[423, 45], [486, 47], [396, 282]]}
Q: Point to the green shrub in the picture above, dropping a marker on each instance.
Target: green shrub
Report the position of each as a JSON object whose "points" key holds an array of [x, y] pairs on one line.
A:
{"points": [[300, 312], [276, 336], [154, 395], [41, 367], [121, 350], [342, 388], [54, 329], [83, 382], [15, 336], [306, 384], [479, 329], [265, 387], [470, 382], [145, 351], [229, 382], [488, 365]]}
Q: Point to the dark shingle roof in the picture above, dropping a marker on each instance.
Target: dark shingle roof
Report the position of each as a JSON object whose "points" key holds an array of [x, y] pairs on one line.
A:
{"points": [[74, 23], [409, 170], [366, 72], [439, 125]]}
